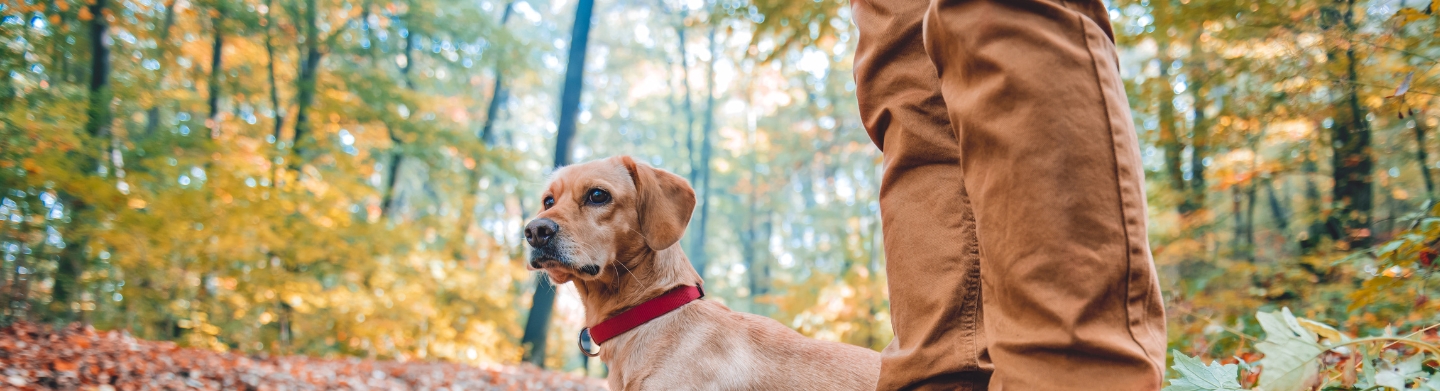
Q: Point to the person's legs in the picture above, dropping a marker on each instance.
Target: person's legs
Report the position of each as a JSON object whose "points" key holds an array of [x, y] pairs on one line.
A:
{"points": [[1052, 166], [931, 252]]}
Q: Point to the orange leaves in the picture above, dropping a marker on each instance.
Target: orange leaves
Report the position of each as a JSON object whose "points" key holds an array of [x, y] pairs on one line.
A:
{"points": [[80, 358], [30, 166], [65, 366], [1409, 15]]}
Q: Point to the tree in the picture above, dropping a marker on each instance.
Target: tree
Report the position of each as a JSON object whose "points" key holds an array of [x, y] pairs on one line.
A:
{"points": [[1350, 133], [697, 248], [73, 258], [537, 325], [306, 82], [216, 69]]}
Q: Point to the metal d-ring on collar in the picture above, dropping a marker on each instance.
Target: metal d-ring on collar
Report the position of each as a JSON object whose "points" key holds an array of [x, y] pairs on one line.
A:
{"points": [[585, 343]]}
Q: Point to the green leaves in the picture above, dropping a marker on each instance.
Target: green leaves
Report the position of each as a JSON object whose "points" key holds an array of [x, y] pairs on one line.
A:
{"points": [[1293, 361], [1196, 376], [1291, 352], [1394, 375]]}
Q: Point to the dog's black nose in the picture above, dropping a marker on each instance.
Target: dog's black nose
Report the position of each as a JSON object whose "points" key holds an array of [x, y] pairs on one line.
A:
{"points": [[539, 232]]}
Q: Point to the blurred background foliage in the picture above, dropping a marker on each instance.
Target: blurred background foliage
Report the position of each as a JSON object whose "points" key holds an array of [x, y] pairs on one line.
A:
{"points": [[349, 177]]}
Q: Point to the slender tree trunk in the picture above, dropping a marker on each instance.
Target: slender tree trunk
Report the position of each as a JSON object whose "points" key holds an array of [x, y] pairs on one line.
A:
{"points": [[750, 237], [57, 52], [1169, 137], [1421, 156], [1350, 142], [1199, 136], [100, 94], [270, 68], [1277, 210], [688, 101], [700, 259], [17, 292], [1310, 239], [369, 31], [5, 275], [20, 290], [409, 54], [487, 138], [387, 203], [71, 264], [216, 69], [1253, 186], [1249, 242], [305, 97], [1238, 217], [152, 115], [498, 94], [397, 156], [538, 323]]}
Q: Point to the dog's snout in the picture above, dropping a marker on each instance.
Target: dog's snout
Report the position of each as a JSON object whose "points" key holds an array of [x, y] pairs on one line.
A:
{"points": [[539, 232]]}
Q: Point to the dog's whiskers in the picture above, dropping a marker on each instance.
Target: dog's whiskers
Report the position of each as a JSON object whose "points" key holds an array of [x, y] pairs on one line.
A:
{"points": [[629, 272]]}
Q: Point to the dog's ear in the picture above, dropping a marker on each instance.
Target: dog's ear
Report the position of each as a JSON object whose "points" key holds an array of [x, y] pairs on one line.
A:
{"points": [[665, 203]]}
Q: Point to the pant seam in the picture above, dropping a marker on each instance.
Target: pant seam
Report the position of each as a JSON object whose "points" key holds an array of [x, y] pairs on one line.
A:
{"points": [[1119, 186], [972, 279]]}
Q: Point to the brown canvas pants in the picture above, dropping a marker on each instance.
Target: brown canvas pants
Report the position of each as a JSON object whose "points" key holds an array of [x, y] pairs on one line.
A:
{"points": [[1013, 199]]}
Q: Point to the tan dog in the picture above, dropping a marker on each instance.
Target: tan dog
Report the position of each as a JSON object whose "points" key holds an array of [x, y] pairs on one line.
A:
{"points": [[611, 227]]}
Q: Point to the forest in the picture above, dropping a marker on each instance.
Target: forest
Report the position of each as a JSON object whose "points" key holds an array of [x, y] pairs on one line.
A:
{"points": [[349, 178]]}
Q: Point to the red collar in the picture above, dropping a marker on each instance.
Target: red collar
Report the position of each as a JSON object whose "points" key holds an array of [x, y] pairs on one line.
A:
{"points": [[634, 317]]}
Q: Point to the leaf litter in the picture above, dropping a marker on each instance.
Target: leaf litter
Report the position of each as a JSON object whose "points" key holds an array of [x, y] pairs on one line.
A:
{"points": [[79, 358]]}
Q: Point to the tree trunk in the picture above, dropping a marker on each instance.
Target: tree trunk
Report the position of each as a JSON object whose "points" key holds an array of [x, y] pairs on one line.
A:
{"points": [[700, 259], [1350, 143], [397, 157], [1199, 136], [71, 264], [100, 94], [1169, 136], [409, 54], [487, 138], [1249, 242], [369, 32], [270, 66], [1253, 183], [750, 238], [305, 97], [152, 115], [1277, 211], [498, 94], [1238, 217], [216, 69], [538, 323], [689, 101], [387, 203], [1310, 239], [1421, 156]]}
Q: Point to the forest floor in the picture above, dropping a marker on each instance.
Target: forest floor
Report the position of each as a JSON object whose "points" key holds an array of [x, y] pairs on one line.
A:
{"points": [[75, 358]]}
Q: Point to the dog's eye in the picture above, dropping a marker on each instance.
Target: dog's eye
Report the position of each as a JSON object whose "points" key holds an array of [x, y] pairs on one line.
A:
{"points": [[549, 202], [597, 196]]}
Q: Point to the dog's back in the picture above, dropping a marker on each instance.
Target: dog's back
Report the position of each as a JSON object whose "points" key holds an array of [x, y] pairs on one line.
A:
{"points": [[705, 345]]}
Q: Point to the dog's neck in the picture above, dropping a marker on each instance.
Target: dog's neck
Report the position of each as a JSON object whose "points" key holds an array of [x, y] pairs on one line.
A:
{"points": [[629, 282]]}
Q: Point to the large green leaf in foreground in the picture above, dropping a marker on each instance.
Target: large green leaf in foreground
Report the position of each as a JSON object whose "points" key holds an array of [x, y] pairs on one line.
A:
{"points": [[1196, 376], [1291, 352]]}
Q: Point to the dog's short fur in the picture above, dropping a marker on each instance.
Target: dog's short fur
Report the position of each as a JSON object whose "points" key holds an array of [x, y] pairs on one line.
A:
{"points": [[623, 252]]}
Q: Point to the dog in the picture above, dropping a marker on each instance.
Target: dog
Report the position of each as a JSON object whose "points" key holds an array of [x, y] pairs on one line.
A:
{"points": [[610, 227]]}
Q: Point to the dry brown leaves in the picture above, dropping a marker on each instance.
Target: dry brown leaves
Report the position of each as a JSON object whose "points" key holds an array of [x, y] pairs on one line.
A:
{"points": [[79, 358]]}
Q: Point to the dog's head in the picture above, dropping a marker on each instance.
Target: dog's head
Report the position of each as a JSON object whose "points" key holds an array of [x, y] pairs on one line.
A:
{"points": [[606, 211]]}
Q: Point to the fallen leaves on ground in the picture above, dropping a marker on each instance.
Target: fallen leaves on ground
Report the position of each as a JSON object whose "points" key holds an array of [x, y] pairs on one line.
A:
{"points": [[37, 358]]}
